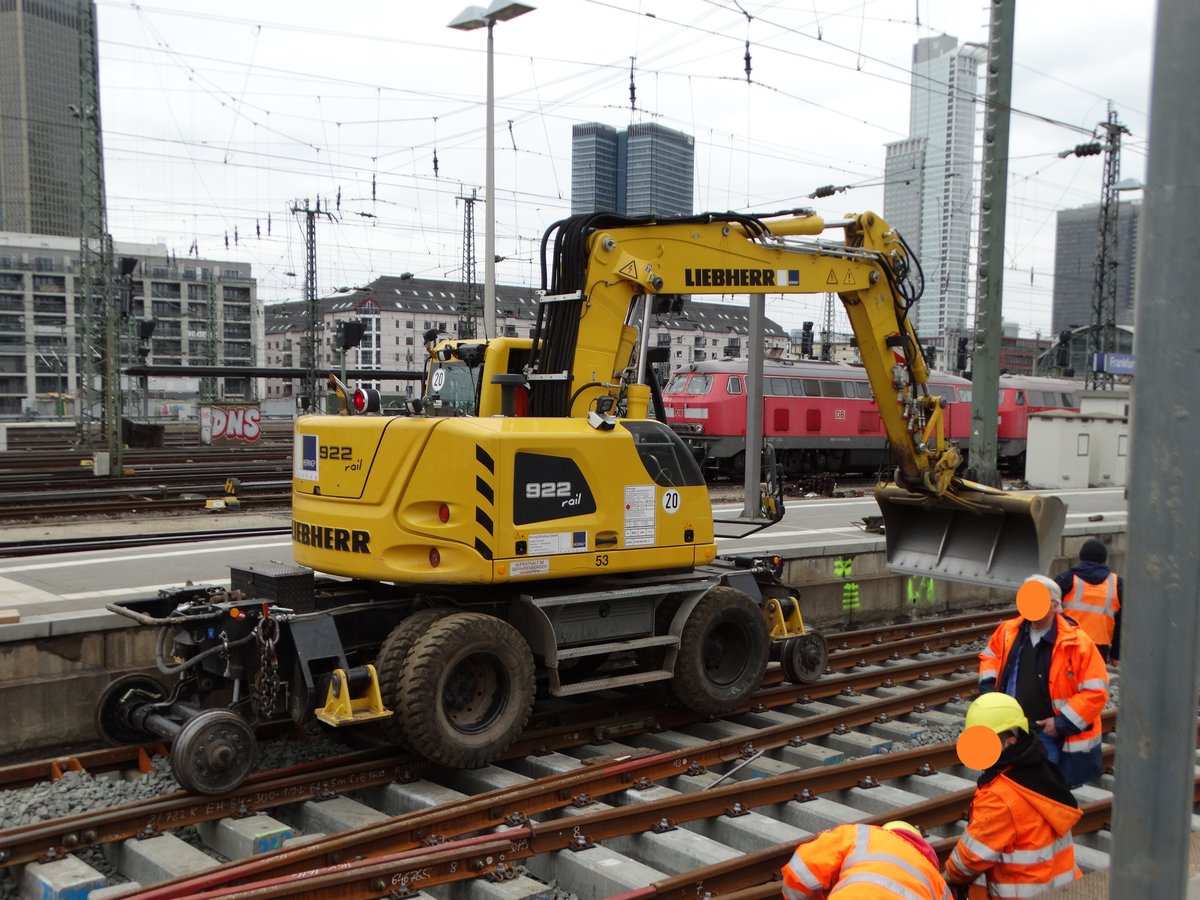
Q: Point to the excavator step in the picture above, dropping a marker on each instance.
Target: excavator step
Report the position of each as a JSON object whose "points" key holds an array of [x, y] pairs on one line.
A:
{"points": [[620, 593], [662, 640], [612, 681]]}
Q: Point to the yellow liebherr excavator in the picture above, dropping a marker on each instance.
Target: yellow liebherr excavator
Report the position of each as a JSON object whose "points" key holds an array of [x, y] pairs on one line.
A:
{"points": [[584, 459], [528, 523]]}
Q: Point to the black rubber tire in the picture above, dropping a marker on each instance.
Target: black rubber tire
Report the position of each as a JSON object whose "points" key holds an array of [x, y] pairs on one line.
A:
{"points": [[723, 652], [467, 690], [111, 722], [804, 658], [393, 654]]}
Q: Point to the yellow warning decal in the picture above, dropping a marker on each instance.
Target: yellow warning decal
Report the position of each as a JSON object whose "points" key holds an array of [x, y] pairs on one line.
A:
{"points": [[629, 270], [849, 277], [831, 278]]}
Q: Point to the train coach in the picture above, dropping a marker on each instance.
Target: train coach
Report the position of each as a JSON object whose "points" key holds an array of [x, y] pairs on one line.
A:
{"points": [[820, 416], [1019, 396]]}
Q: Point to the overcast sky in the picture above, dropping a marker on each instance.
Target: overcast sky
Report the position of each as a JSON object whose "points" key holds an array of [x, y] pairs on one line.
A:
{"points": [[219, 116]]}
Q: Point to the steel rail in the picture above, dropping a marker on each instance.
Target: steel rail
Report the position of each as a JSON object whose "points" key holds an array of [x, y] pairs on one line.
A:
{"points": [[50, 840], [515, 806], [418, 868]]}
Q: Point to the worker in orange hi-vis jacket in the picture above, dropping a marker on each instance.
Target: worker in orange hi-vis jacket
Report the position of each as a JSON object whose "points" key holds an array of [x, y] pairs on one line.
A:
{"points": [[1092, 596], [865, 862], [1018, 836]]}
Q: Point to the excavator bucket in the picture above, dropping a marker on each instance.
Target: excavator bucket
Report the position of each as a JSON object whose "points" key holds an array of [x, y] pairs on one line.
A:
{"points": [[973, 533]]}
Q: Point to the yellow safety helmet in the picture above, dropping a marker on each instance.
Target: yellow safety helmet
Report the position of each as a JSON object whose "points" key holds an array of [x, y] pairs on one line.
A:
{"points": [[998, 712], [898, 825]]}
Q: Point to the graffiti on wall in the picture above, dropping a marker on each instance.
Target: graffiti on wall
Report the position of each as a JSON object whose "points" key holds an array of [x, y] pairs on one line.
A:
{"points": [[843, 567], [231, 423], [919, 588]]}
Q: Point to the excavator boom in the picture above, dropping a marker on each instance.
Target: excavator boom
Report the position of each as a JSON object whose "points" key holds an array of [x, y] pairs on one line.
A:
{"points": [[585, 349]]}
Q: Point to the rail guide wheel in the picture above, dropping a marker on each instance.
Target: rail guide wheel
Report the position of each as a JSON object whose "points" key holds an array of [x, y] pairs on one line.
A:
{"points": [[118, 700], [804, 658], [213, 752]]}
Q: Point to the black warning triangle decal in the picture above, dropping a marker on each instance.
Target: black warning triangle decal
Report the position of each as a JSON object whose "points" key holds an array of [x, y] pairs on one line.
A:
{"points": [[831, 278], [629, 270]]}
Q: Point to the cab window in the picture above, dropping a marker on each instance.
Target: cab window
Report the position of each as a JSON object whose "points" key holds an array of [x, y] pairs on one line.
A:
{"points": [[1020, 398], [675, 385], [699, 384], [734, 385], [454, 384]]}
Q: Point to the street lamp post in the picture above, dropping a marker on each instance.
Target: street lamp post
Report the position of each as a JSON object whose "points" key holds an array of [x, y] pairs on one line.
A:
{"points": [[470, 19]]}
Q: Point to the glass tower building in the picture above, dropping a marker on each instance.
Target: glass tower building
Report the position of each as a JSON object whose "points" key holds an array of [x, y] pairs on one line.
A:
{"points": [[1076, 246], [39, 133], [928, 179], [644, 170]]}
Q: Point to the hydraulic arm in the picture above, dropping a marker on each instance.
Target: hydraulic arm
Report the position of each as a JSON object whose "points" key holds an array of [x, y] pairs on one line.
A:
{"points": [[936, 523]]}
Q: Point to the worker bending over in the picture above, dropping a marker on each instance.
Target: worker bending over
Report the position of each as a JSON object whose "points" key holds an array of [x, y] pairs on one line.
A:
{"points": [[865, 862], [1019, 830]]}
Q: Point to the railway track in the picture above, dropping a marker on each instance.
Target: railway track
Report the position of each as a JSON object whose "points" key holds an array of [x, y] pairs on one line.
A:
{"points": [[721, 789]]}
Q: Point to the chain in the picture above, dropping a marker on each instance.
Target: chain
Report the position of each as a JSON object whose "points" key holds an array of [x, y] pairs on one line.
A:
{"points": [[266, 679]]}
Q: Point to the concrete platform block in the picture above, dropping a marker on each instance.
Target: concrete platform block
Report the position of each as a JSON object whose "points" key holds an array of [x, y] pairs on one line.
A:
{"points": [[1090, 859], [543, 764], [672, 852], [69, 878], [770, 718], [1088, 794], [808, 710], [956, 708], [240, 838], [855, 743], [933, 718], [895, 730], [594, 873], [520, 888], [670, 740], [936, 785], [719, 731], [748, 833], [815, 815], [331, 816], [487, 778], [160, 858], [398, 799], [877, 799], [1098, 840], [115, 891], [807, 756]]}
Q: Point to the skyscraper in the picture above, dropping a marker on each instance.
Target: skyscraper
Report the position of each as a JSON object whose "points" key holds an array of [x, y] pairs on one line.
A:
{"points": [[645, 170], [1076, 246], [928, 193], [39, 135]]}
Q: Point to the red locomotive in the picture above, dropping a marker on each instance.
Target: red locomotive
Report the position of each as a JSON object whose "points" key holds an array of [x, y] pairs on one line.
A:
{"points": [[1021, 395], [819, 416]]}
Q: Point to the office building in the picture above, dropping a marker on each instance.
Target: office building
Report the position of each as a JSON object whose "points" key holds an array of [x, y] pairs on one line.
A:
{"points": [[1076, 246], [928, 180], [39, 134], [204, 311], [644, 170]]}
